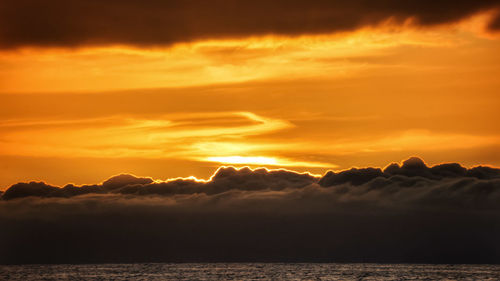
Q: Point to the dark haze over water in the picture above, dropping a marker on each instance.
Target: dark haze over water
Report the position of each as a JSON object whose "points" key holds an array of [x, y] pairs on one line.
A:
{"points": [[250, 271], [409, 213]]}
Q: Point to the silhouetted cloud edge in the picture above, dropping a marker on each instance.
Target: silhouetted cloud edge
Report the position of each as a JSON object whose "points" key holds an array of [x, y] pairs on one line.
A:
{"points": [[412, 182]]}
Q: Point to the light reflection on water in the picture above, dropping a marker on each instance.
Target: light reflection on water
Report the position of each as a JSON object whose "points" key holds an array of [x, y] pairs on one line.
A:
{"points": [[250, 271]]}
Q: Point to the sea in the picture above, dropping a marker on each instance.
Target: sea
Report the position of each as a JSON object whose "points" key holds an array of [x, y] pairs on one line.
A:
{"points": [[250, 271]]}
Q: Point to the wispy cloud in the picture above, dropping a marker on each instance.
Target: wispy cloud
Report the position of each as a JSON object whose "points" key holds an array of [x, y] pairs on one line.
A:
{"points": [[190, 135]]}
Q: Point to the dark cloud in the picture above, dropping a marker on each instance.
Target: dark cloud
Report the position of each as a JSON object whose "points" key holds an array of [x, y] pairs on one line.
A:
{"points": [[225, 179], [494, 25], [155, 22], [404, 213], [229, 178]]}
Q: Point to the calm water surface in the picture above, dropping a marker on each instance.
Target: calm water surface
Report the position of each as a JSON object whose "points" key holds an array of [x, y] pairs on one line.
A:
{"points": [[250, 271]]}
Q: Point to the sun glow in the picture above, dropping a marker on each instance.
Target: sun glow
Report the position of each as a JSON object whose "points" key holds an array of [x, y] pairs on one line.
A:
{"points": [[264, 160], [260, 160]]}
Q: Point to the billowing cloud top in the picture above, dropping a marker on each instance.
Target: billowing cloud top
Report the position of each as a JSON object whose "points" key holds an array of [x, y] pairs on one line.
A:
{"points": [[224, 180], [404, 213], [151, 23], [412, 173]]}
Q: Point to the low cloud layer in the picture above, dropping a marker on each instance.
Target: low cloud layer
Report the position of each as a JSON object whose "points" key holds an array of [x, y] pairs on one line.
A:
{"points": [[153, 23], [404, 213]]}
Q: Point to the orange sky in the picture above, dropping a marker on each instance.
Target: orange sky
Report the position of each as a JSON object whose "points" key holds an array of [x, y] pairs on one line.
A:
{"points": [[308, 103]]}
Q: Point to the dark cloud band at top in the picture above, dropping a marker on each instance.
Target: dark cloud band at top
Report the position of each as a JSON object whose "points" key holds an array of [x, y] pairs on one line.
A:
{"points": [[154, 22]]}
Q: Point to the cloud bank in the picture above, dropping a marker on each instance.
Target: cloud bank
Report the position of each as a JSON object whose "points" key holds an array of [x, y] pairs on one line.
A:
{"points": [[404, 213], [153, 23]]}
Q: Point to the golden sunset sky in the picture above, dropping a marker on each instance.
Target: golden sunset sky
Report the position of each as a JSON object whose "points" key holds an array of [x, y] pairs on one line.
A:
{"points": [[167, 92]]}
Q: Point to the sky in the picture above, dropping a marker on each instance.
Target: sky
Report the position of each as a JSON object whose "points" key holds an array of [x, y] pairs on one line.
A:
{"points": [[286, 130], [91, 89]]}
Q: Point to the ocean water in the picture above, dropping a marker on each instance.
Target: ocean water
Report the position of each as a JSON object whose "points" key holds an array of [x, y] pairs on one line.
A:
{"points": [[250, 271]]}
